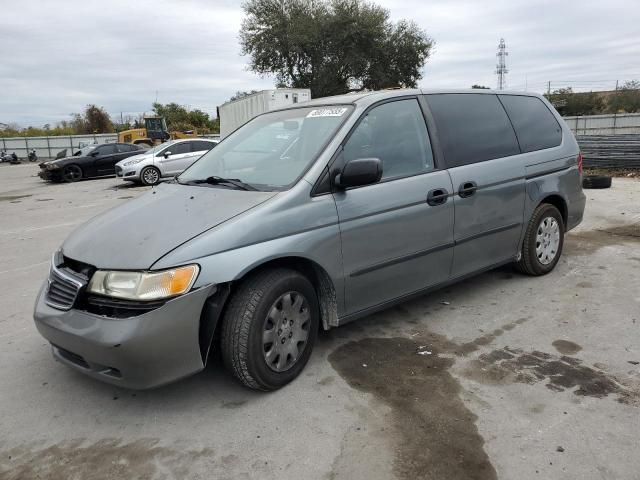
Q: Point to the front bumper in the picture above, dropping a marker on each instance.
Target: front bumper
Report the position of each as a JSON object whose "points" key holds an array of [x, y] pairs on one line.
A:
{"points": [[130, 172], [50, 175], [139, 352]]}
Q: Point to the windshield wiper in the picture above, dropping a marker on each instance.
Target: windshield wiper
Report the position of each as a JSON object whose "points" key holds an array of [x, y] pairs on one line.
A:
{"points": [[215, 180]]}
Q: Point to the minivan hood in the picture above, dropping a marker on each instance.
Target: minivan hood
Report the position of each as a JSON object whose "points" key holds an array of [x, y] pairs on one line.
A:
{"points": [[134, 235]]}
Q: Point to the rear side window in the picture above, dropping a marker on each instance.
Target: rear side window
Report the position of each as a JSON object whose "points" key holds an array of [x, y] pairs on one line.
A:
{"points": [[472, 128], [535, 125], [394, 132], [107, 149], [125, 148], [200, 146]]}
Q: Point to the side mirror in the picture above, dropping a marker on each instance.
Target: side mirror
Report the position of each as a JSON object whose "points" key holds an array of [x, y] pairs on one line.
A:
{"points": [[94, 153], [359, 172], [167, 154]]}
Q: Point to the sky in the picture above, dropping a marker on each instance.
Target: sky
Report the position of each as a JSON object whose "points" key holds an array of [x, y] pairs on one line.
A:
{"points": [[58, 56]]}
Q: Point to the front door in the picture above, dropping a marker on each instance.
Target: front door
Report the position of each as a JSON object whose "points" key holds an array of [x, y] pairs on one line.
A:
{"points": [[173, 158], [105, 161], [487, 172], [394, 241]]}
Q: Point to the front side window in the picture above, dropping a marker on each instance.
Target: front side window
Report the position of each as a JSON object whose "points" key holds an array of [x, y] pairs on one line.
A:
{"points": [[394, 132], [472, 127], [273, 150], [178, 148]]}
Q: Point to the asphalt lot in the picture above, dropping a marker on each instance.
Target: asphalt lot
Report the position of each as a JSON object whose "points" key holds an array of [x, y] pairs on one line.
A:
{"points": [[501, 376]]}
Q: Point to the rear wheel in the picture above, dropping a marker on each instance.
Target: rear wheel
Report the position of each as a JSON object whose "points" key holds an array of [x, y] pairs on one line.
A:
{"points": [[72, 173], [150, 176], [269, 328], [543, 241]]}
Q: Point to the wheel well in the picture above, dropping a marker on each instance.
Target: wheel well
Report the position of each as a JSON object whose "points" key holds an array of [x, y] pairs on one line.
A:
{"points": [[215, 306], [558, 202], [320, 279]]}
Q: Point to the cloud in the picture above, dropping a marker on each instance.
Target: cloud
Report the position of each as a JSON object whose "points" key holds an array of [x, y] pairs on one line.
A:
{"points": [[56, 57]]}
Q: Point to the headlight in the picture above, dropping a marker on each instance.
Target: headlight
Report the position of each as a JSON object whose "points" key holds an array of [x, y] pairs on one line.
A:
{"points": [[52, 166], [143, 285], [132, 162]]}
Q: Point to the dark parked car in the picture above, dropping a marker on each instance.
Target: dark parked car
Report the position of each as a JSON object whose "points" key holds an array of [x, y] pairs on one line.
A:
{"points": [[90, 161]]}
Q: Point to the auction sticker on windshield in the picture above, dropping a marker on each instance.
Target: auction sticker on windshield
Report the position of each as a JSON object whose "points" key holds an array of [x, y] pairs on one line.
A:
{"points": [[327, 112]]}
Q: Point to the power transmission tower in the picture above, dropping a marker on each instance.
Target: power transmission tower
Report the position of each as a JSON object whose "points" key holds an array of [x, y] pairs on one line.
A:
{"points": [[501, 67]]}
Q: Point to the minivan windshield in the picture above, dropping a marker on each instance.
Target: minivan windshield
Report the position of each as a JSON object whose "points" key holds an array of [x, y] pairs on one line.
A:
{"points": [[269, 152]]}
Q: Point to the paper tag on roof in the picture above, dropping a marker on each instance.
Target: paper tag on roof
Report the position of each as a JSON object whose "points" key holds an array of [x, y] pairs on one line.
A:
{"points": [[327, 112]]}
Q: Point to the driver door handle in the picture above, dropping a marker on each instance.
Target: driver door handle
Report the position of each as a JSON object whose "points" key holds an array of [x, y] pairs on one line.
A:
{"points": [[467, 189], [437, 196]]}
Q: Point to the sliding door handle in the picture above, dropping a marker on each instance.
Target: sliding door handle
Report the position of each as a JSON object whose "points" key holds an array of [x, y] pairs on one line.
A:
{"points": [[467, 189]]}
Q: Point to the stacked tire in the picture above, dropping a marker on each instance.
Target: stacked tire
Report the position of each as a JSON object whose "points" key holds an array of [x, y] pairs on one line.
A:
{"points": [[596, 181]]}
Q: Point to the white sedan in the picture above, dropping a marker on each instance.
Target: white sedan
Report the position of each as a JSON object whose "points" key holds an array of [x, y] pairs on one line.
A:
{"points": [[163, 161]]}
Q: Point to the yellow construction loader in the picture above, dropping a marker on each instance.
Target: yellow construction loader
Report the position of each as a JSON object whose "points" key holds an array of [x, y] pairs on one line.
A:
{"points": [[155, 132]]}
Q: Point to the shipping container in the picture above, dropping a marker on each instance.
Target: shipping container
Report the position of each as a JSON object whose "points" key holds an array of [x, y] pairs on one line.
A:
{"points": [[237, 112]]}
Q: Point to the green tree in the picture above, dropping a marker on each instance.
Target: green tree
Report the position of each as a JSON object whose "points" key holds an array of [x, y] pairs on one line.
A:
{"points": [[180, 119], [569, 103], [332, 46], [93, 120], [626, 99]]}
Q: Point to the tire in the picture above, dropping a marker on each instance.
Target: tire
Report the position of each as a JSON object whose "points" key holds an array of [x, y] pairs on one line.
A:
{"points": [[596, 181], [72, 173], [543, 241], [150, 176], [252, 319]]}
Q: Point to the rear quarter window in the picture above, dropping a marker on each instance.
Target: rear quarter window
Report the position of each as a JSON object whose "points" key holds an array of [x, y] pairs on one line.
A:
{"points": [[472, 128], [535, 125]]}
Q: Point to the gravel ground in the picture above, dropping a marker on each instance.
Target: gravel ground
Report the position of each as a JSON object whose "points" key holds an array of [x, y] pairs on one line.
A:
{"points": [[501, 376]]}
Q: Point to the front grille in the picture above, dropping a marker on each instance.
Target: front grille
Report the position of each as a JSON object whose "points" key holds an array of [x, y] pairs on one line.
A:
{"points": [[63, 288]]}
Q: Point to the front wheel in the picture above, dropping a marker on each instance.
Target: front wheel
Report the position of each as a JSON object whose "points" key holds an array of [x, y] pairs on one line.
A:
{"points": [[269, 328], [150, 176], [72, 173], [543, 241]]}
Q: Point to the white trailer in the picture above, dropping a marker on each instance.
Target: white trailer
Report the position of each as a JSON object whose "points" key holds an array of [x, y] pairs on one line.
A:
{"points": [[237, 112]]}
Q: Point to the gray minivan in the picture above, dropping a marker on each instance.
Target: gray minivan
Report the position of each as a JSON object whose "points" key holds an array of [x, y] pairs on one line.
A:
{"points": [[310, 217]]}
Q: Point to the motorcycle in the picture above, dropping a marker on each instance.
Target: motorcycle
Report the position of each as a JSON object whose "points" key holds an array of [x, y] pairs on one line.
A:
{"points": [[13, 158], [33, 156]]}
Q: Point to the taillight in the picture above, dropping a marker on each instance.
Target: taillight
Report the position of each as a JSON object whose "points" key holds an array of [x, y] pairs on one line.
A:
{"points": [[580, 163]]}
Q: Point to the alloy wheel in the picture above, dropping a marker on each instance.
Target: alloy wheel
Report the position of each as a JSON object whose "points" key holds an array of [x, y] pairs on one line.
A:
{"points": [[547, 240], [72, 173], [150, 176]]}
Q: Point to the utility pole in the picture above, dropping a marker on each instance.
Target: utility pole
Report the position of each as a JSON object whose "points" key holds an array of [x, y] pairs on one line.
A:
{"points": [[549, 87], [501, 67]]}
